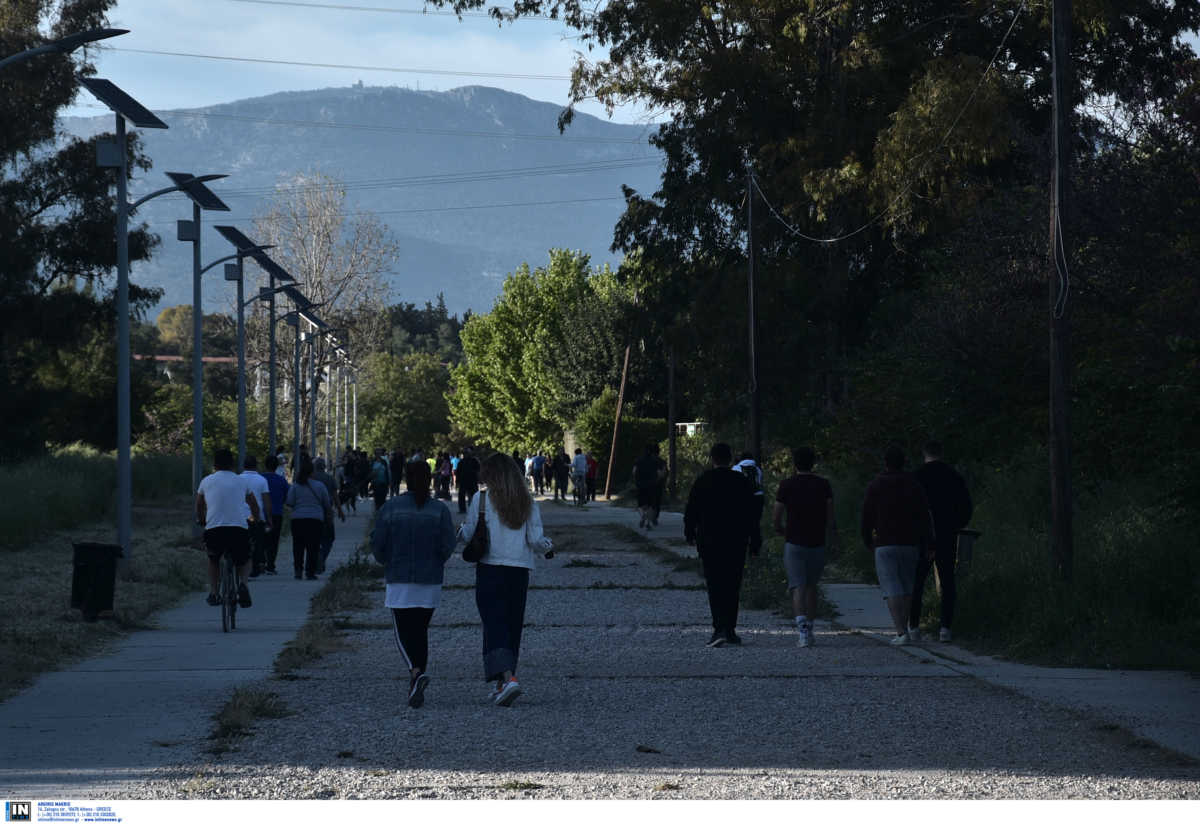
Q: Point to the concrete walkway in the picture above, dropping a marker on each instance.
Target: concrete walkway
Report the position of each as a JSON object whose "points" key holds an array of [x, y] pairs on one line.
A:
{"points": [[1160, 706], [87, 724]]}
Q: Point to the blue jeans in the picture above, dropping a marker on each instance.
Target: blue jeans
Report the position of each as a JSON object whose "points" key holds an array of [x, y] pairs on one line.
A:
{"points": [[500, 595]]}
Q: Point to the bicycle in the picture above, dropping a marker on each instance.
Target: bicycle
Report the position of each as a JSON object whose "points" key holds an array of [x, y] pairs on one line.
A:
{"points": [[579, 482], [229, 593]]}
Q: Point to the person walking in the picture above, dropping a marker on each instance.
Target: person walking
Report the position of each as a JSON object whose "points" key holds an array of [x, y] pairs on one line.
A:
{"points": [[468, 479], [648, 474], [539, 476], [278, 487], [311, 507], [717, 521], [257, 485], [514, 527], [224, 507], [413, 538], [395, 470], [328, 530], [754, 475], [896, 525], [381, 478], [807, 501], [593, 467], [950, 503]]}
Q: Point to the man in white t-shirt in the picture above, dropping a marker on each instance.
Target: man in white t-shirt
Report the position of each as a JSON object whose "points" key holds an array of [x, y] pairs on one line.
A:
{"points": [[579, 468], [221, 509], [257, 486]]}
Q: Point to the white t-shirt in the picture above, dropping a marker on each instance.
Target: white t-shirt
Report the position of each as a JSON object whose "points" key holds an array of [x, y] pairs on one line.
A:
{"points": [[225, 499], [256, 484]]}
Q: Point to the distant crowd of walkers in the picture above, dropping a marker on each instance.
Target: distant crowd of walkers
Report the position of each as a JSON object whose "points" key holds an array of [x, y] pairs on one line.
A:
{"points": [[910, 522]]}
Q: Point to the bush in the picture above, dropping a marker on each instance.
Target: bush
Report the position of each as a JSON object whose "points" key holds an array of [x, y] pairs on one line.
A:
{"points": [[593, 430], [75, 484]]}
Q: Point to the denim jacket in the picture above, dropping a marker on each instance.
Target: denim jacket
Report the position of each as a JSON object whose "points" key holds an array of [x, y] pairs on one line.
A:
{"points": [[413, 544]]}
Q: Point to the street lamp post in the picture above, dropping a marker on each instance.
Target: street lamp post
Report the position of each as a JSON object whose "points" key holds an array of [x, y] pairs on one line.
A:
{"points": [[202, 198], [64, 45], [114, 155], [293, 319]]}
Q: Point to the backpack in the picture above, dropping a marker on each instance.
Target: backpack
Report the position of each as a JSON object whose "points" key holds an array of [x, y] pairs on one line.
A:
{"points": [[751, 473], [379, 474]]}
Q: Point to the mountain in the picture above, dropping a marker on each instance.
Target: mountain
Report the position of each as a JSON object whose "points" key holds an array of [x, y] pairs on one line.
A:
{"points": [[481, 146]]}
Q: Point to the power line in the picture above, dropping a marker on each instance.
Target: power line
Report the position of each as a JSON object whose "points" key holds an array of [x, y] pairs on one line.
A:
{"points": [[385, 10], [472, 207], [394, 69], [913, 182], [447, 179], [329, 124]]}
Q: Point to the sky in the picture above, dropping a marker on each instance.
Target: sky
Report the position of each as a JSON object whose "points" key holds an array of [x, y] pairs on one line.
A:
{"points": [[428, 43]]}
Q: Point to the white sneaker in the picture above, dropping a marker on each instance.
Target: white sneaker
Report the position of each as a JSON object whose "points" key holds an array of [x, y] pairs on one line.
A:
{"points": [[508, 694], [805, 637], [914, 634], [900, 641], [944, 635]]}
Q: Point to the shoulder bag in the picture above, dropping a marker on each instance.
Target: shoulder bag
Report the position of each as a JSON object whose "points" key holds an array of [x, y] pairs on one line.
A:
{"points": [[477, 547]]}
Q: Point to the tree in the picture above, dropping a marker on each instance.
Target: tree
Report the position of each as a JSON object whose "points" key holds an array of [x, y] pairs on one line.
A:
{"points": [[402, 401], [339, 262], [57, 229]]}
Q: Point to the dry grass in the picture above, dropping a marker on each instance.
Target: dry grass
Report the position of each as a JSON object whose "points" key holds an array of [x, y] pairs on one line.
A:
{"points": [[237, 717], [42, 633]]}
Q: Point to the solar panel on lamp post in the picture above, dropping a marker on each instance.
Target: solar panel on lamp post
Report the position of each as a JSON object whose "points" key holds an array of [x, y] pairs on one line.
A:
{"points": [[189, 230], [64, 45], [112, 155]]}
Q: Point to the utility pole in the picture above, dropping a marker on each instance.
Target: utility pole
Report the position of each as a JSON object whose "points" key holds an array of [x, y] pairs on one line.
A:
{"points": [[1061, 535], [612, 453], [752, 311]]}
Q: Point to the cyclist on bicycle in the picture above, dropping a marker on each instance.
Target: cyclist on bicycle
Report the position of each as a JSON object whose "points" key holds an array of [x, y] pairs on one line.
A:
{"points": [[224, 507], [579, 468]]}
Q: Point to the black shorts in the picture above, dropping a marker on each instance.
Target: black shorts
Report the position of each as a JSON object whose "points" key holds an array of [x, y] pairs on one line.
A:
{"points": [[232, 539]]}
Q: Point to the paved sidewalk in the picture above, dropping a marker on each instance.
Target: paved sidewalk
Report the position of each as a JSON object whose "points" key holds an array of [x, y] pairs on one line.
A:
{"points": [[88, 724], [1161, 706]]}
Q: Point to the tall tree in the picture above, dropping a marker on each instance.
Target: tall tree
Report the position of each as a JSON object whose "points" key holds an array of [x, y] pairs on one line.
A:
{"points": [[57, 232]]}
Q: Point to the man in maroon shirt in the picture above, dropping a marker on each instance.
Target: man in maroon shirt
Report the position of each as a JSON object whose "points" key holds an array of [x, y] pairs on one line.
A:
{"points": [[807, 499], [897, 524]]}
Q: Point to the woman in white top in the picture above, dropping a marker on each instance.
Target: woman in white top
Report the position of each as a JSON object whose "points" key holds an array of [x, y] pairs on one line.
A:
{"points": [[514, 525]]}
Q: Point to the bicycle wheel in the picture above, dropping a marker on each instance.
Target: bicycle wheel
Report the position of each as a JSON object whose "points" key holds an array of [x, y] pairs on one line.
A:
{"points": [[228, 594]]}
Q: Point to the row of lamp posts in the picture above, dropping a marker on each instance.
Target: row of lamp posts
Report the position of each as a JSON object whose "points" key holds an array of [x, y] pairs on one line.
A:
{"points": [[112, 154]]}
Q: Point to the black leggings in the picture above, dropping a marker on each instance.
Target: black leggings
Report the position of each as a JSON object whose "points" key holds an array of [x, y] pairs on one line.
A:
{"points": [[412, 635], [306, 544]]}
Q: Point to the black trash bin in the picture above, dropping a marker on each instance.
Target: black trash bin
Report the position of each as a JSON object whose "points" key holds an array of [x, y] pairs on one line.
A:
{"points": [[95, 578]]}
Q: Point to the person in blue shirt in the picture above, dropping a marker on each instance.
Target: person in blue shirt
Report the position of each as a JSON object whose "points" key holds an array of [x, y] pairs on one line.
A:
{"points": [[413, 538], [278, 486]]}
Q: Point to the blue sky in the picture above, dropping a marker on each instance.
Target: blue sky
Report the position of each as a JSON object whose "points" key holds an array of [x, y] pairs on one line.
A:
{"points": [[237, 28]]}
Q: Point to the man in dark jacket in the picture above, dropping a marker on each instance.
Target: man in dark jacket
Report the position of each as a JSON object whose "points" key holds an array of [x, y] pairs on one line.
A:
{"points": [[468, 479], [896, 524], [950, 503], [719, 521]]}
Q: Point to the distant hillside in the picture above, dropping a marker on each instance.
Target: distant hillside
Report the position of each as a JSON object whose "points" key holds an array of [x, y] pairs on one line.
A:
{"points": [[375, 138]]}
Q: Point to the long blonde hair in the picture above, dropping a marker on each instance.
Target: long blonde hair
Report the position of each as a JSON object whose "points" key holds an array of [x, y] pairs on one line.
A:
{"points": [[507, 490]]}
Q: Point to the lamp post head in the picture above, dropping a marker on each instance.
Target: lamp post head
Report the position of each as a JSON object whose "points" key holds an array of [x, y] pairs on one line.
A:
{"points": [[73, 41]]}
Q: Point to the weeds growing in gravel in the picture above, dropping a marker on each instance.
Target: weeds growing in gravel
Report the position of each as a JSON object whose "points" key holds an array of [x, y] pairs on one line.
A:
{"points": [[237, 717]]}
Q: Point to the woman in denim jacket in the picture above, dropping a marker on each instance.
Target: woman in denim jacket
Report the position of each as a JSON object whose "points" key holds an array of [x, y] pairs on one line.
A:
{"points": [[514, 525], [413, 537]]}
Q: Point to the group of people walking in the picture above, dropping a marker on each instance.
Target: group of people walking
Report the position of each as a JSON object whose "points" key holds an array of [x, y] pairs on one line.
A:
{"points": [[910, 523], [548, 475], [413, 538]]}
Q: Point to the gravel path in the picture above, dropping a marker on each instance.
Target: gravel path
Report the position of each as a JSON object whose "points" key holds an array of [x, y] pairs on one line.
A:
{"points": [[623, 700]]}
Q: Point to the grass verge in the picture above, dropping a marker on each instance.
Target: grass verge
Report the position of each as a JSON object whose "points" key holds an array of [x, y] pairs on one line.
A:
{"points": [[347, 589], [42, 633], [236, 719]]}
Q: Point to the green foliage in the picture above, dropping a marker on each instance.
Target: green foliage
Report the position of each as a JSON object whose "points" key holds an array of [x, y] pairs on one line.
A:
{"points": [[402, 402], [76, 484], [594, 429], [430, 329], [544, 352]]}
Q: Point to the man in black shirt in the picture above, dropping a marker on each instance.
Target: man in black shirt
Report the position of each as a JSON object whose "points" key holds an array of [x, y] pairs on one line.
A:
{"points": [[648, 474], [950, 503], [718, 520], [468, 479]]}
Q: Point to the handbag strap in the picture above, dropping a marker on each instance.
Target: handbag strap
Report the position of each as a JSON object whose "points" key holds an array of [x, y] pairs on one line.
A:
{"points": [[481, 524]]}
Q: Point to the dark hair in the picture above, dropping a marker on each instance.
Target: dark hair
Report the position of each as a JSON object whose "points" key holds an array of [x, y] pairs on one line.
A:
{"points": [[578, 451], [306, 470], [893, 458], [222, 459], [721, 454], [804, 457], [272, 463], [933, 449], [416, 478], [250, 462]]}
